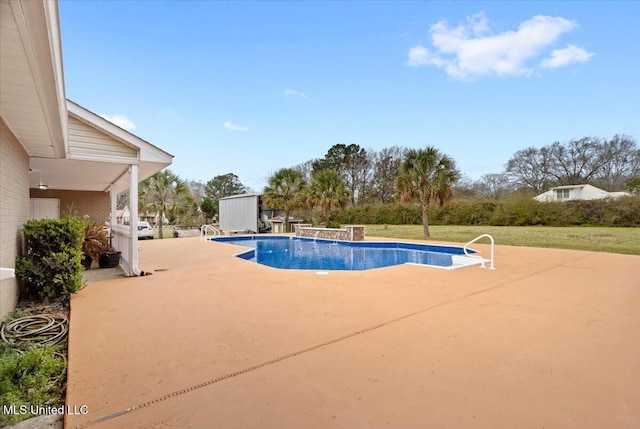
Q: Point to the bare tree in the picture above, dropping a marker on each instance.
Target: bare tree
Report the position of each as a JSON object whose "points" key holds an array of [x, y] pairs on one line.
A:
{"points": [[609, 164], [386, 166], [577, 161], [306, 168], [197, 189], [530, 168], [494, 186], [623, 163]]}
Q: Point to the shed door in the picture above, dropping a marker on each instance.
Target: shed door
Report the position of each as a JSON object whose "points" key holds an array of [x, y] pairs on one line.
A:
{"points": [[44, 208]]}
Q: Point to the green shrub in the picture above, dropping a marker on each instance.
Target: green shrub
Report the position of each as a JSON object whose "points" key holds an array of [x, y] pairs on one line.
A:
{"points": [[369, 214], [37, 376], [52, 265]]}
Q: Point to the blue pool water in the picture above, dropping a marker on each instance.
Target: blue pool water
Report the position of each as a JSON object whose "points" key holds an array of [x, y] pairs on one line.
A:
{"points": [[318, 254]]}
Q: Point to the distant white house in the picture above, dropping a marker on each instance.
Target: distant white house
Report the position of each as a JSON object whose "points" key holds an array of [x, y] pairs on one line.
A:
{"points": [[577, 192], [124, 217]]}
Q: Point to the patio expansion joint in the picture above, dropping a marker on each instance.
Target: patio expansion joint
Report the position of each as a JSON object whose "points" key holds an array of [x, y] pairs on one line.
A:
{"points": [[308, 349]]}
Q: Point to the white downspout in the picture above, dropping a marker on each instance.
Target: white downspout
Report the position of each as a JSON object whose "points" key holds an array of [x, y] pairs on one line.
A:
{"points": [[133, 221]]}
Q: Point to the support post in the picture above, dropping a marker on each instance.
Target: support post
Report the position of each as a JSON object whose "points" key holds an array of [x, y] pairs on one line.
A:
{"points": [[133, 220]]}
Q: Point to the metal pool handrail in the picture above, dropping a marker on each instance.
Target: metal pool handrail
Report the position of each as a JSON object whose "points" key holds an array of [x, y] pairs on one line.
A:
{"points": [[205, 229], [478, 256]]}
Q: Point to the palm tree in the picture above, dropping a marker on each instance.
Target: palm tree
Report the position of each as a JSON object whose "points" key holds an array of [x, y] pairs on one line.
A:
{"points": [[285, 189], [328, 190], [426, 175], [165, 193]]}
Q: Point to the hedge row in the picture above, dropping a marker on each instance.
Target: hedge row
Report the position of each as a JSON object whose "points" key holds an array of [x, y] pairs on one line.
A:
{"points": [[514, 211]]}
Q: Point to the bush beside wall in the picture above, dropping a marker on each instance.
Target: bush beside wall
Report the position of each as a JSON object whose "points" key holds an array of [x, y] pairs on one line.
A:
{"points": [[52, 267]]}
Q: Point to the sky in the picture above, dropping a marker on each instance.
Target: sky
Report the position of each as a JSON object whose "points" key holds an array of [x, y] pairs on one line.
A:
{"points": [[251, 87]]}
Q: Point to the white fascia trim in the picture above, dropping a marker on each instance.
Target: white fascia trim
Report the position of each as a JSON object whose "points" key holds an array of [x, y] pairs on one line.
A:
{"points": [[55, 42], [105, 158]]}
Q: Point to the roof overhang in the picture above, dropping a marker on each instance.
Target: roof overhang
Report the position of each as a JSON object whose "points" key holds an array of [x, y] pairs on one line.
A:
{"points": [[32, 104], [99, 157]]}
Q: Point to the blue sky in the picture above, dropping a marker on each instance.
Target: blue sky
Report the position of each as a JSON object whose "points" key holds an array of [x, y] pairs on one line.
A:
{"points": [[251, 87]]}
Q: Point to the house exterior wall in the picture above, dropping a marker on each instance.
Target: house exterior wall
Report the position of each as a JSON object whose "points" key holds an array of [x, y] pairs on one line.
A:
{"points": [[97, 205], [14, 211], [589, 192]]}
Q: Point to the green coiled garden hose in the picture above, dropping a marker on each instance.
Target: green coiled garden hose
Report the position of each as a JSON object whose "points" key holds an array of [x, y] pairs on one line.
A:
{"points": [[35, 331]]}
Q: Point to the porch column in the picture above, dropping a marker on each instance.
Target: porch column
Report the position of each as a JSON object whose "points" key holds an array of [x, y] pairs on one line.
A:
{"points": [[113, 217], [133, 220]]}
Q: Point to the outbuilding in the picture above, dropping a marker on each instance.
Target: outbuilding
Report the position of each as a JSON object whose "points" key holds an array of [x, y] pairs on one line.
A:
{"points": [[245, 213]]}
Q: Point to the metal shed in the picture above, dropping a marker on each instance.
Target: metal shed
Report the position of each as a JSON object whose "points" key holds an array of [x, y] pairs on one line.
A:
{"points": [[244, 213]]}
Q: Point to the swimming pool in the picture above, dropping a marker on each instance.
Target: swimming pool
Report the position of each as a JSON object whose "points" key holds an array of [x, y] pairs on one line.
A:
{"points": [[318, 254]]}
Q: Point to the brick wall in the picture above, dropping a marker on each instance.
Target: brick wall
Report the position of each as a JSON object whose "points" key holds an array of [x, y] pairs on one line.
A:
{"points": [[14, 210], [96, 205]]}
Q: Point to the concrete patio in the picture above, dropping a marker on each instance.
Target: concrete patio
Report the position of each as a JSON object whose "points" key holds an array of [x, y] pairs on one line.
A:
{"points": [[550, 339]]}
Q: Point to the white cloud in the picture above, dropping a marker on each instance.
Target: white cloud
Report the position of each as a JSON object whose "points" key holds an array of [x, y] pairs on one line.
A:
{"points": [[293, 93], [470, 50], [566, 56], [418, 56], [233, 127], [121, 121]]}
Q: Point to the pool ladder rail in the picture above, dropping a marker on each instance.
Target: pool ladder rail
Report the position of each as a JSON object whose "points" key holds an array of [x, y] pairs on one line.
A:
{"points": [[481, 260], [206, 229]]}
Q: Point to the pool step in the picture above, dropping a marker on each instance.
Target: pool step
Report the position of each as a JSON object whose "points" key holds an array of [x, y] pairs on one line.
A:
{"points": [[459, 261]]}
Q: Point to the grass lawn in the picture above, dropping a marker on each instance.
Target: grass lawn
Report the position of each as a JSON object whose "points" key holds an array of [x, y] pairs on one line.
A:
{"points": [[167, 232], [601, 239]]}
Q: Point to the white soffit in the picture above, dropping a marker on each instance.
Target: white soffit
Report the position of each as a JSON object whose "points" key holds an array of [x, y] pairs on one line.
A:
{"points": [[31, 80], [74, 174]]}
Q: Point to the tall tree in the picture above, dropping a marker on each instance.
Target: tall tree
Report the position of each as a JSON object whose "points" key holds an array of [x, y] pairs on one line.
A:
{"points": [[426, 175], [285, 189], [386, 166], [328, 191], [166, 195], [350, 162], [222, 186]]}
